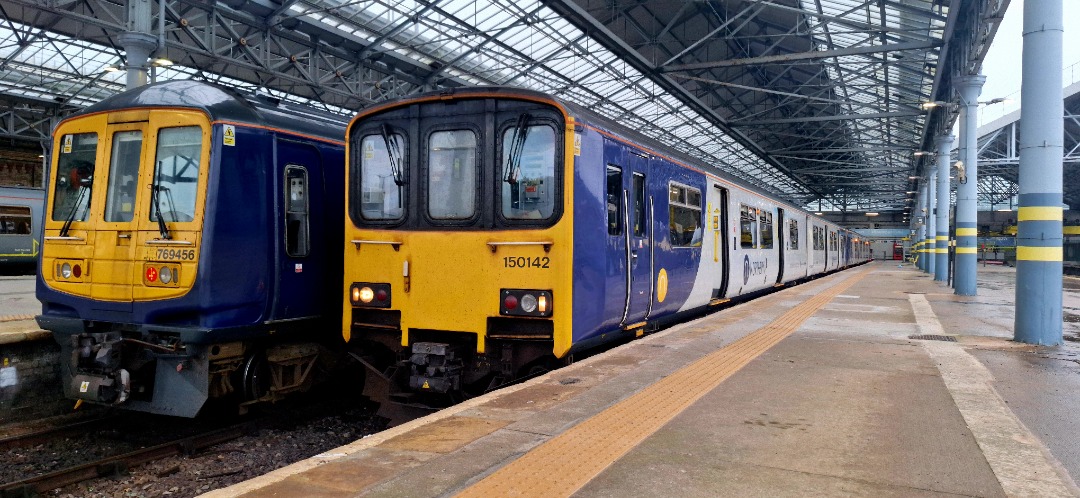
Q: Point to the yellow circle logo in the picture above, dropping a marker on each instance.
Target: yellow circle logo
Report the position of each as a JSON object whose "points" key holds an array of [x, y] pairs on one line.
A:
{"points": [[661, 285]]}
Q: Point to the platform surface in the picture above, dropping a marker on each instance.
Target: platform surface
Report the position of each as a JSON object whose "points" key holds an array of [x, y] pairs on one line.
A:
{"points": [[814, 390], [17, 309]]}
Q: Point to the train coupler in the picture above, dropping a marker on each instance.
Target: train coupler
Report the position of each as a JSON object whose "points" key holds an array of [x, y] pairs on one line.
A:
{"points": [[435, 367], [108, 389]]}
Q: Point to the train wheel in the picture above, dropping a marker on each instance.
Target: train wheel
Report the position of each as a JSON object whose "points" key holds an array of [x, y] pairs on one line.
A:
{"points": [[538, 367], [255, 376]]}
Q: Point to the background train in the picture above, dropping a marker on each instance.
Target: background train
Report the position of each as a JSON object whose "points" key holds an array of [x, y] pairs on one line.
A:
{"points": [[495, 232], [192, 247], [20, 225]]}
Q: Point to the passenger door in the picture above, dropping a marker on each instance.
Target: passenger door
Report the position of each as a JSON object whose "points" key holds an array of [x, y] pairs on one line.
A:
{"points": [[718, 221], [298, 194], [781, 243], [639, 240]]}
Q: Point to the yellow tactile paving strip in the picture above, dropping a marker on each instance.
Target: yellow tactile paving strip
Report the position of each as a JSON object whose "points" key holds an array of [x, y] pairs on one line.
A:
{"points": [[570, 460]]}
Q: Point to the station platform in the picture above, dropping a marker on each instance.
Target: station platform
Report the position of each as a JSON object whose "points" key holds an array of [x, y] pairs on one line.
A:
{"points": [[816, 389]]}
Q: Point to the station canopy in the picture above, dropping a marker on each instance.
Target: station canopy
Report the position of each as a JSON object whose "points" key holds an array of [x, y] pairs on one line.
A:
{"points": [[816, 101]]}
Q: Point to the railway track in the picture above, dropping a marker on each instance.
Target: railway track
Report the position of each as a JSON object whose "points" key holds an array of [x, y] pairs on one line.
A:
{"points": [[50, 433], [113, 465]]}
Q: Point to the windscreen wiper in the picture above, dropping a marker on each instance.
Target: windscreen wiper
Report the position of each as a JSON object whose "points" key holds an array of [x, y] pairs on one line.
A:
{"points": [[393, 150], [517, 148], [156, 189], [74, 209]]}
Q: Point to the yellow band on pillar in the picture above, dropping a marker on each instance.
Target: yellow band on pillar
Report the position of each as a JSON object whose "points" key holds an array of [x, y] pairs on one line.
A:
{"points": [[1026, 253], [1039, 213], [967, 232], [965, 250], [942, 237]]}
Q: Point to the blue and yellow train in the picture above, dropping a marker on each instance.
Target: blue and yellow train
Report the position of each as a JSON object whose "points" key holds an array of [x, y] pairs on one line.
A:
{"points": [[192, 247], [492, 233], [20, 225]]}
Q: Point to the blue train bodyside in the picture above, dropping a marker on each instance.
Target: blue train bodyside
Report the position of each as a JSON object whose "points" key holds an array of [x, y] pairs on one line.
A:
{"points": [[670, 269]]}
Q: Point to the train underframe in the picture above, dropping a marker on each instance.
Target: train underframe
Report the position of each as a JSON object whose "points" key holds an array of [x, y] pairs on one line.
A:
{"points": [[159, 372], [441, 368]]}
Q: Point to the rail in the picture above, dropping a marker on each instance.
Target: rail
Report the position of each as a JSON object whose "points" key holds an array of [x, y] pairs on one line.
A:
{"points": [[41, 484]]}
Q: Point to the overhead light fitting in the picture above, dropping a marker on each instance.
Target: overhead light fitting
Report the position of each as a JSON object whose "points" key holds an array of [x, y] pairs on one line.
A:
{"points": [[162, 62], [921, 153], [871, 214], [112, 68]]}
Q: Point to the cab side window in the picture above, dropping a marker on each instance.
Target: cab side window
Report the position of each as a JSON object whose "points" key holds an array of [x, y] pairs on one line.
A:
{"points": [[297, 243]]}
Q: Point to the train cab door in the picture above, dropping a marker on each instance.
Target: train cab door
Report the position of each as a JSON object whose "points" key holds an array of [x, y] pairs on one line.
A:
{"points": [[114, 271], [781, 243], [300, 192], [638, 235], [718, 223]]}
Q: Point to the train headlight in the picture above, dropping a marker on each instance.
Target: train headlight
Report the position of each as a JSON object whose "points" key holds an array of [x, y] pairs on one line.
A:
{"points": [[65, 270], [525, 302], [165, 275], [370, 295], [528, 303]]}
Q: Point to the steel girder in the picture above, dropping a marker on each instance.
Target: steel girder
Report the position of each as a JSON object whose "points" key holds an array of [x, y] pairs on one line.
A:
{"points": [[999, 160], [808, 84], [826, 92]]}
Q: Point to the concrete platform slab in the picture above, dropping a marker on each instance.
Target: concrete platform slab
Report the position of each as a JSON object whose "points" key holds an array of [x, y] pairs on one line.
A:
{"points": [[820, 391]]}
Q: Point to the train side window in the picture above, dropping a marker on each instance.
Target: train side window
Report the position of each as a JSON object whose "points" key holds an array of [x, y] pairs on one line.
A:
{"points": [[451, 169], [74, 177], [766, 226], [747, 226], [614, 200], [638, 192], [297, 242], [123, 175], [793, 235], [176, 174], [15, 220], [382, 157], [527, 169], [684, 215]]}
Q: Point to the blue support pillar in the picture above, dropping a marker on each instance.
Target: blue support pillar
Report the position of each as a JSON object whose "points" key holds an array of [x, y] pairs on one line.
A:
{"points": [[967, 193], [931, 221], [1039, 231], [941, 249], [922, 226]]}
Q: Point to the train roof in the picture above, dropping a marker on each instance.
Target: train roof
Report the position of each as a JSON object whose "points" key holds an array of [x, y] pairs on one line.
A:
{"points": [[225, 104], [585, 116]]}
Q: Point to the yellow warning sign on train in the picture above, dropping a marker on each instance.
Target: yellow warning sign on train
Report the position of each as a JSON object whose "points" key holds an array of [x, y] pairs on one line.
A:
{"points": [[230, 136]]}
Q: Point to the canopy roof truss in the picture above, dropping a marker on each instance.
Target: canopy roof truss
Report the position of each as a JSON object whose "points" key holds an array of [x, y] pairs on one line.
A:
{"points": [[813, 100]]}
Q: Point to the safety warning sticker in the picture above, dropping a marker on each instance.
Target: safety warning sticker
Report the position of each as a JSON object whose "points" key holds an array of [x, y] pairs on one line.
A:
{"points": [[230, 136]]}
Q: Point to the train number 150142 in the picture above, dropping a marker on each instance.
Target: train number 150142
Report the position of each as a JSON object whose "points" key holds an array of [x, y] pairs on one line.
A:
{"points": [[524, 262]]}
